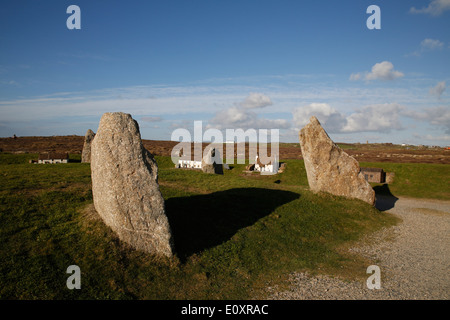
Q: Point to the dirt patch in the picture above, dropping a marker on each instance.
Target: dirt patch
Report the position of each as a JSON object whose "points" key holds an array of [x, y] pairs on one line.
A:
{"points": [[431, 211]]}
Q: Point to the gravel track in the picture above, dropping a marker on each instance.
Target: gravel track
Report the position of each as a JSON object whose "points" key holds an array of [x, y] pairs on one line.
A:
{"points": [[413, 257]]}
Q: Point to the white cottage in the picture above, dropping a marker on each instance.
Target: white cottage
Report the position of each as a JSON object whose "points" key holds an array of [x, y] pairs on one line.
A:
{"points": [[53, 157], [270, 168], [189, 164]]}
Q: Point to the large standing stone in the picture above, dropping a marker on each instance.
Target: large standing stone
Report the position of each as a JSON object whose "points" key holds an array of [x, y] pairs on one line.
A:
{"points": [[125, 186], [212, 161], [329, 168], [86, 154]]}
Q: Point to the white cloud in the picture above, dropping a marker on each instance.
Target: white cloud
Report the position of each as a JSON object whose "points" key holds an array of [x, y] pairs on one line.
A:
{"points": [[59, 113], [438, 89], [377, 118], [440, 116], [431, 44], [384, 71], [240, 115], [177, 101], [256, 100], [355, 76], [426, 45], [435, 8], [430, 137], [437, 116], [331, 120], [380, 71], [138, 101]]}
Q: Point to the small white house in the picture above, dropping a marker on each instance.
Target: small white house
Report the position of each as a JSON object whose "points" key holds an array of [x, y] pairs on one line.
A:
{"points": [[53, 157], [189, 164], [270, 168]]}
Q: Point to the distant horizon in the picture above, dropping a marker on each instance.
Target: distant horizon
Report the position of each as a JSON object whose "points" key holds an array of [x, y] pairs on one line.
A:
{"points": [[207, 142]]}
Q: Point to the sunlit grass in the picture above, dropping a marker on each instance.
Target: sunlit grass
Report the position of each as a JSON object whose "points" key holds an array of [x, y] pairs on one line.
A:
{"points": [[234, 233]]}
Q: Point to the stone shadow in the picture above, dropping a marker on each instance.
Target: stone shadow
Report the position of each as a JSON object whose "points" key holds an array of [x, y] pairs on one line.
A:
{"points": [[385, 199], [204, 221]]}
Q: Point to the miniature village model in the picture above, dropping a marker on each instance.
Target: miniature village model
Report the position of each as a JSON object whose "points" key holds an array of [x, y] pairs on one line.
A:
{"points": [[53, 157], [273, 167]]}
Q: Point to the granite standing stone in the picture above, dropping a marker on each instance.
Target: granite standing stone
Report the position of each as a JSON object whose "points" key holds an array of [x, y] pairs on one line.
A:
{"points": [[329, 168], [86, 154], [125, 186], [212, 162]]}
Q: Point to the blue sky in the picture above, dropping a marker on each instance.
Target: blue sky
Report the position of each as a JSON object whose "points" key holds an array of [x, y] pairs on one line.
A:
{"points": [[232, 64]]}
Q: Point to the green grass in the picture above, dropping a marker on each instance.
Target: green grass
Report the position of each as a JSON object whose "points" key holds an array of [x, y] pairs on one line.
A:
{"points": [[416, 180], [234, 234]]}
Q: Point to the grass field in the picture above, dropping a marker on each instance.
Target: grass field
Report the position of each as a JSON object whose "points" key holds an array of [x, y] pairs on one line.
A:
{"points": [[416, 180], [234, 234]]}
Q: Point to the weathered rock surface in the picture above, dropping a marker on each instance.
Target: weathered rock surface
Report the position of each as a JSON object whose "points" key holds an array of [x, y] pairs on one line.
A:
{"points": [[86, 153], [212, 162], [329, 168], [390, 177], [125, 186], [250, 167]]}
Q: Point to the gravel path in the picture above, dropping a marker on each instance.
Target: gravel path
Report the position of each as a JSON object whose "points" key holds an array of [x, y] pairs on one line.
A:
{"points": [[413, 257]]}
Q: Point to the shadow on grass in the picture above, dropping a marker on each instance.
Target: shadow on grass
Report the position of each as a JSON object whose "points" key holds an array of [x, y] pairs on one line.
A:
{"points": [[385, 199], [204, 221]]}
